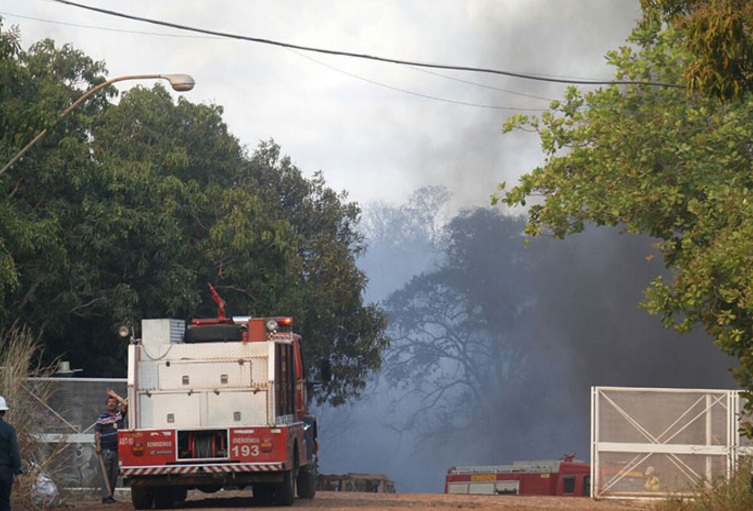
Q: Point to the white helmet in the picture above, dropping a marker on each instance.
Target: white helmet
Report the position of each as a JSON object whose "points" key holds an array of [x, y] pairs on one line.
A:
{"points": [[3, 404]]}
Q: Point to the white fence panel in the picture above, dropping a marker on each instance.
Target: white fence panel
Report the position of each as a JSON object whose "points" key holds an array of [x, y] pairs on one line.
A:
{"points": [[648, 442], [68, 419]]}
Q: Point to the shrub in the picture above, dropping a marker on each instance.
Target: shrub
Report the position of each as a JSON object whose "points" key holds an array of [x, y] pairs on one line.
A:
{"points": [[718, 495], [20, 355]]}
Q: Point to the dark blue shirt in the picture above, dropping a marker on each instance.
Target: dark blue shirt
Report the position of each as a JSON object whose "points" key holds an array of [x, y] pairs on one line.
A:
{"points": [[9, 453], [108, 425]]}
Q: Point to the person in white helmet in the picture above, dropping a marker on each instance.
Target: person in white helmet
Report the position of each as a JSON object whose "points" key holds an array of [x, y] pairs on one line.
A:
{"points": [[10, 458]]}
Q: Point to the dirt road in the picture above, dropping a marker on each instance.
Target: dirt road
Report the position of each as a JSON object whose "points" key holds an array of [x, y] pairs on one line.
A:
{"points": [[345, 501]]}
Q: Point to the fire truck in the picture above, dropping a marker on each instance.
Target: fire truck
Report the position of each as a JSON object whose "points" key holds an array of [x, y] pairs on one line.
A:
{"points": [[220, 404], [566, 477]]}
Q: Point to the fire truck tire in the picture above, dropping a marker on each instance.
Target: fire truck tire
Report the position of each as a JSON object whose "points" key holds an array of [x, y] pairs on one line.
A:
{"points": [[142, 497], [166, 497], [163, 497], [306, 483], [180, 494], [285, 491], [209, 488], [213, 333], [262, 494]]}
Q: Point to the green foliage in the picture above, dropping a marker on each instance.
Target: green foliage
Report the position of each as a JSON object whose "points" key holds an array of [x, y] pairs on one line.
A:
{"points": [[662, 162], [345, 336], [127, 211], [719, 37]]}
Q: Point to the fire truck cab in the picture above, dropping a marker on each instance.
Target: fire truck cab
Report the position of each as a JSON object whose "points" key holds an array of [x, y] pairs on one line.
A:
{"points": [[220, 404]]}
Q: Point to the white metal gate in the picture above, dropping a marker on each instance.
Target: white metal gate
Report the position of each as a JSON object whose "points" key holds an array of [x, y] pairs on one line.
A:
{"points": [[68, 420], [649, 442]]}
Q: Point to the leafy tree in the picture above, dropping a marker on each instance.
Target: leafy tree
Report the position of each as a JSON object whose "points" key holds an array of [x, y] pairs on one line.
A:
{"points": [[504, 336], [719, 36], [456, 332], [412, 233], [345, 336], [126, 211], [421, 219], [10, 110], [43, 81], [664, 163]]}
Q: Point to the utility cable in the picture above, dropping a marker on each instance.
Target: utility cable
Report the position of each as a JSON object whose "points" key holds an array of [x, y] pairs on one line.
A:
{"points": [[352, 75], [413, 93], [106, 29], [361, 55], [484, 86]]}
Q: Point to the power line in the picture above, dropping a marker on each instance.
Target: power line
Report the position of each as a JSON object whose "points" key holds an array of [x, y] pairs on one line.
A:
{"points": [[154, 34], [484, 86], [361, 55], [107, 29], [157, 34], [333, 68], [413, 93]]}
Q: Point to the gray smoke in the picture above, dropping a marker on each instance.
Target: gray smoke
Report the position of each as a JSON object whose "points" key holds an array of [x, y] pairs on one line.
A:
{"points": [[587, 328], [593, 333], [566, 39]]}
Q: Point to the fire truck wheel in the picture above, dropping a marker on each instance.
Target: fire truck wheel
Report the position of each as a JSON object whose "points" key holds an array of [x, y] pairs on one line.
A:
{"points": [[163, 497], [262, 494], [180, 494], [142, 497], [285, 491], [306, 483], [213, 333], [209, 488]]}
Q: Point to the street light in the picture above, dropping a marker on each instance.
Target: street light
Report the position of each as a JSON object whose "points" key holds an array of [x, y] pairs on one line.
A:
{"points": [[179, 82]]}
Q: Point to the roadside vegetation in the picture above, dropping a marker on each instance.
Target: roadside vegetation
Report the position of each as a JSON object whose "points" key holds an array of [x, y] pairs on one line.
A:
{"points": [[719, 495], [19, 360]]}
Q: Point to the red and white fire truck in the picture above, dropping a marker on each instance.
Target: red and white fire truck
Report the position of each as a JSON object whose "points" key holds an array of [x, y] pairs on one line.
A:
{"points": [[566, 477], [220, 404]]}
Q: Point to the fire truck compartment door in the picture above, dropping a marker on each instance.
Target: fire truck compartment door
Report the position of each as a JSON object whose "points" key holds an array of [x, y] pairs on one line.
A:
{"points": [[481, 488], [236, 408], [457, 488], [166, 410], [507, 487], [202, 375]]}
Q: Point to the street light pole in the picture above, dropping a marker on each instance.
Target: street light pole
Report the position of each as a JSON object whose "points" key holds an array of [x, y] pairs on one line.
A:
{"points": [[179, 82]]}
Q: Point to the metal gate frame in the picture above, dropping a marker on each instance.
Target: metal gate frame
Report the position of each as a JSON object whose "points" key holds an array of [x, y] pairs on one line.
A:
{"points": [[659, 444], [67, 420]]}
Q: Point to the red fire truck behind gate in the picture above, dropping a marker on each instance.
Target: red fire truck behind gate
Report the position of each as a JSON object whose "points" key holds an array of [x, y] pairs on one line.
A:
{"points": [[545, 477], [220, 404]]}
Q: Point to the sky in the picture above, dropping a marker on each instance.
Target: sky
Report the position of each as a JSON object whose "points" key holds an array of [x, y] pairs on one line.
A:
{"points": [[376, 130]]}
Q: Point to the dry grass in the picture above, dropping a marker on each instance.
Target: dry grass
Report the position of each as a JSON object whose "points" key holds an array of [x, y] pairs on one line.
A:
{"points": [[19, 360], [718, 495]]}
